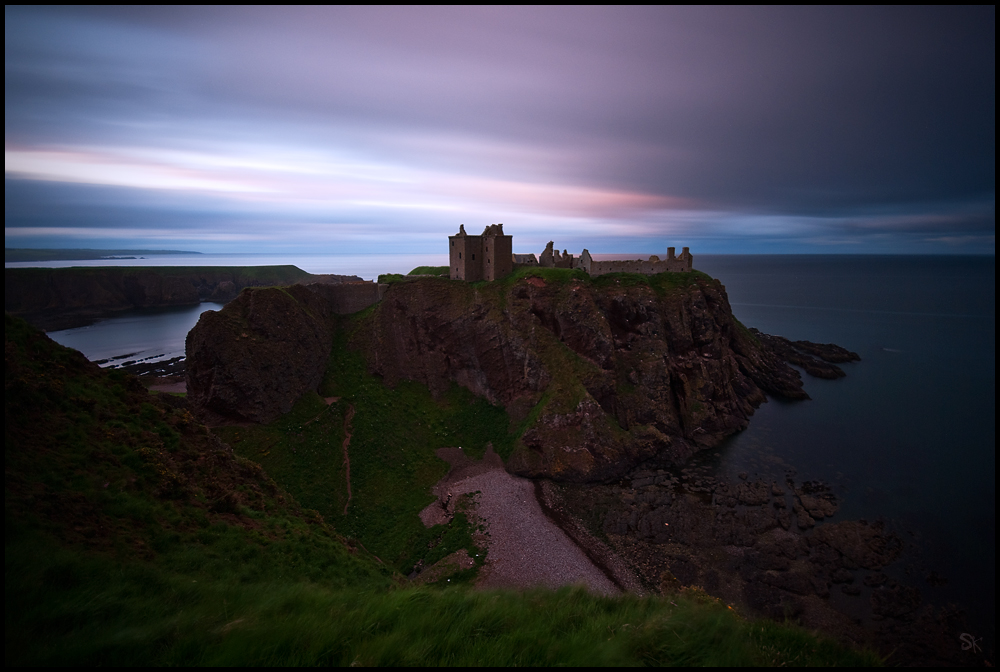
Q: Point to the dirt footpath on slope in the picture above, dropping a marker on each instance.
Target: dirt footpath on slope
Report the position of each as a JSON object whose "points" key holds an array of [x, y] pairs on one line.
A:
{"points": [[525, 548]]}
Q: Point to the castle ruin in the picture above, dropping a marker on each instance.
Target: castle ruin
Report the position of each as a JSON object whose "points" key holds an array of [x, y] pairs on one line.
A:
{"points": [[676, 264], [489, 257], [485, 257]]}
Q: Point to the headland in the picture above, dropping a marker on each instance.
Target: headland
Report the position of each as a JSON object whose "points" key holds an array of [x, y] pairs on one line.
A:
{"points": [[602, 390]]}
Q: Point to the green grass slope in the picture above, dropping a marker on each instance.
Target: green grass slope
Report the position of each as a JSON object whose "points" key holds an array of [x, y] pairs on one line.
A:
{"points": [[134, 536], [430, 270], [394, 435]]}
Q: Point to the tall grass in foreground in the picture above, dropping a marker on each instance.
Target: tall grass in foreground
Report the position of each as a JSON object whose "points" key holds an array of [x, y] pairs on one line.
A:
{"points": [[132, 536], [67, 609]]}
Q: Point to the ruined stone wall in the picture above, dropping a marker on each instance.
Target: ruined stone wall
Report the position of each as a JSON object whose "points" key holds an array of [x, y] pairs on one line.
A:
{"points": [[552, 259], [646, 267], [651, 266], [490, 257]]}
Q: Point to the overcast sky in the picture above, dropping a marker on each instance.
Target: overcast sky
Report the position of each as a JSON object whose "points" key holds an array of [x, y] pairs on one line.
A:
{"points": [[358, 130]]}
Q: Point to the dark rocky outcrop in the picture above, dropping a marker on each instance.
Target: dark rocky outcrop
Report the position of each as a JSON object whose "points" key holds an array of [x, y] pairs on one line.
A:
{"points": [[695, 527], [597, 375], [817, 359], [606, 374], [254, 359], [609, 373], [860, 544]]}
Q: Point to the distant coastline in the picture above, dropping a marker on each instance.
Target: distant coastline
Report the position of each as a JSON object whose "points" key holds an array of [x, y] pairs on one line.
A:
{"points": [[63, 298], [21, 254]]}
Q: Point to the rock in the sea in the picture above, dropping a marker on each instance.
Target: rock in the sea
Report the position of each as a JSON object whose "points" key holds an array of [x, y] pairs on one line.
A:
{"points": [[803, 519], [894, 600], [818, 507], [841, 575], [876, 579], [753, 494], [817, 359], [861, 544]]}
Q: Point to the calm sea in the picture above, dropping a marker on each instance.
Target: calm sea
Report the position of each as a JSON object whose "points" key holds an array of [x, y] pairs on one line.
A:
{"points": [[149, 334], [908, 436]]}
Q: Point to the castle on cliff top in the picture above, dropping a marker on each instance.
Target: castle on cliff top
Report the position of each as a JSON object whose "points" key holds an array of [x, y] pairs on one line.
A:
{"points": [[485, 257], [490, 257]]}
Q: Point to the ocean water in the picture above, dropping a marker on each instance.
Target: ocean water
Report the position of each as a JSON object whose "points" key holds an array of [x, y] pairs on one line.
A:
{"points": [[147, 334], [907, 437]]}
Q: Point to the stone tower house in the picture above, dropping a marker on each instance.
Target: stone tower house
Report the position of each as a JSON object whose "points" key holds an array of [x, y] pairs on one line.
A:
{"points": [[485, 257]]}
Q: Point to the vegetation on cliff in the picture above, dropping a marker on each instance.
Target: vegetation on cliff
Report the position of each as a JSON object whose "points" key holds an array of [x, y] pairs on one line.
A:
{"points": [[430, 270], [598, 375], [604, 372], [394, 435], [133, 535]]}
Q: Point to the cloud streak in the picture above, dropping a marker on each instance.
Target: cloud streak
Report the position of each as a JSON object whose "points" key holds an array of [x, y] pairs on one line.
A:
{"points": [[723, 129]]}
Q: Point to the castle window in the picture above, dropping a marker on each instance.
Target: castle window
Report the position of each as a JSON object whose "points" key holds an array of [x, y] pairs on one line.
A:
{"points": [[459, 255], [473, 257]]}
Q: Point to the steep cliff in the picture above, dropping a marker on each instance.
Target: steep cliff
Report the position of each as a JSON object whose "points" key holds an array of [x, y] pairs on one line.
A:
{"points": [[597, 375], [253, 359], [600, 373]]}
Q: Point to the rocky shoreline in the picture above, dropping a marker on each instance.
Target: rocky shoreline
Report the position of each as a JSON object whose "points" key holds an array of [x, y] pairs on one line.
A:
{"points": [[766, 548]]}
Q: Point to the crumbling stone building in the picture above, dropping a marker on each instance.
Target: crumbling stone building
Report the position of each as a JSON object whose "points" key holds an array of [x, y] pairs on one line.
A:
{"points": [[489, 257], [486, 257], [676, 264]]}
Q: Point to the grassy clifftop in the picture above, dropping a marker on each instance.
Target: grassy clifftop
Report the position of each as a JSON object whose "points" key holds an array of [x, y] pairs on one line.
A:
{"points": [[134, 536]]}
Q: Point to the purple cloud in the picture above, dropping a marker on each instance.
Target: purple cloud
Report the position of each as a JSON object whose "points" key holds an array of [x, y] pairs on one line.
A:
{"points": [[801, 128]]}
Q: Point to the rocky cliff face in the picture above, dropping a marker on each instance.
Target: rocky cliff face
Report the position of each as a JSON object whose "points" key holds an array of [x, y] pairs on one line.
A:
{"points": [[598, 375], [254, 359], [602, 374]]}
